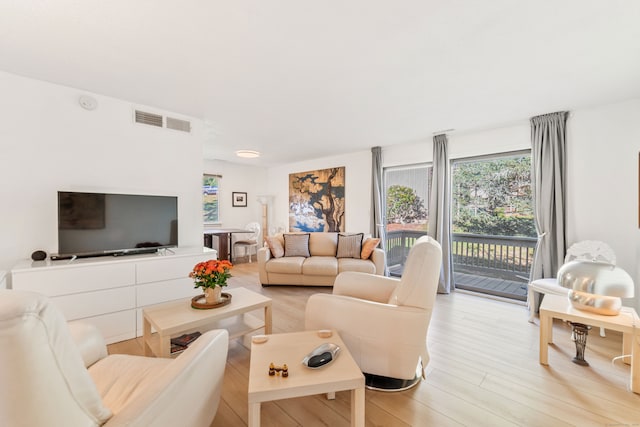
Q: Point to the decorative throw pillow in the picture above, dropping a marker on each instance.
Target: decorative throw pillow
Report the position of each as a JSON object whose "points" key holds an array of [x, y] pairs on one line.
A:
{"points": [[275, 245], [349, 245], [368, 246], [296, 245]]}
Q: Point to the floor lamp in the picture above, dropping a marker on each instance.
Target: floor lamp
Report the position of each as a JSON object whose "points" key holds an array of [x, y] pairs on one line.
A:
{"points": [[264, 200]]}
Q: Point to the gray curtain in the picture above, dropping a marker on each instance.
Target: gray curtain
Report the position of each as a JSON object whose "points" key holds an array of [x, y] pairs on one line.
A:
{"points": [[440, 209], [378, 219], [548, 165]]}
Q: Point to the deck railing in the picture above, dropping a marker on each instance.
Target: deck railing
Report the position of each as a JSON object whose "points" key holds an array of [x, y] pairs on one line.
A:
{"points": [[508, 258]]}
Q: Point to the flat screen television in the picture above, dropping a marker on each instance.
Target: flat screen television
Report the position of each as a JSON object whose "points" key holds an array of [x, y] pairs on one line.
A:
{"points": [[95, 224]]}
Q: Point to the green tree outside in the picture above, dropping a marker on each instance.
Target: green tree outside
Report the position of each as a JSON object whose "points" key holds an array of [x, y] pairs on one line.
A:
{"points": [[404, 205], [493, 197]]}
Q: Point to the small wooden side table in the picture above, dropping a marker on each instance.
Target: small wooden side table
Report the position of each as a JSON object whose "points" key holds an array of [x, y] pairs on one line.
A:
{"points": [[627, 322], [341, 374]]}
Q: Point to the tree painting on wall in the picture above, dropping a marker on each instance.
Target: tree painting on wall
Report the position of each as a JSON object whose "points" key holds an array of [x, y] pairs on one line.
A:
{"points": [[316, 200]]}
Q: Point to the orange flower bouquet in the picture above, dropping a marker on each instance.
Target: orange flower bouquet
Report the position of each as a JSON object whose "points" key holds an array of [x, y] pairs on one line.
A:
{"points": [[210, 274]]}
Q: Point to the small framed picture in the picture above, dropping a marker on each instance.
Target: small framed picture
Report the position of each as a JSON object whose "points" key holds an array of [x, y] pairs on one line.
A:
{"points": [[239, 199]]}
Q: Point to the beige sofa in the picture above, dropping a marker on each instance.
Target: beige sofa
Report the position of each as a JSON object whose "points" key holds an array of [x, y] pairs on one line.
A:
{"points": [[322, 265]]}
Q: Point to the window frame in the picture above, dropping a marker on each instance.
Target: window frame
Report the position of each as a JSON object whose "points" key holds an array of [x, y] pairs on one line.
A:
{"points": [[206, 219]]}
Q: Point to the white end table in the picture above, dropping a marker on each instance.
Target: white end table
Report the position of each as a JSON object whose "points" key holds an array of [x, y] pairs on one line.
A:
{"points": [[341, 374], [627, 322]]}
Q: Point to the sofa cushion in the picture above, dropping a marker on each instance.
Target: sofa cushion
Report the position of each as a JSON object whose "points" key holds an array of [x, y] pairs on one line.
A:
{"points": [[368, 246], [286, 265], [296, 245], [276, 246], [349, 245], [353, 264], [323, 244], [320, 266]]}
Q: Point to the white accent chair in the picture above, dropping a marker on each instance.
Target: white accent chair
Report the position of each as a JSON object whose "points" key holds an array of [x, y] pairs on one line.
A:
{"points": [[248, 242], [384, 321], [591, 250], [59, 374]]}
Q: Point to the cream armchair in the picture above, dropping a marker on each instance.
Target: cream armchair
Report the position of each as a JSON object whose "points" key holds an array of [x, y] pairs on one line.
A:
{"points": [[56, 375], [384, 321]]}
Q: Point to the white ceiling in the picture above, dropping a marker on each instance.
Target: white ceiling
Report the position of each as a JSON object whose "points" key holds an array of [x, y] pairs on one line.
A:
{"points": [[298, 79]]}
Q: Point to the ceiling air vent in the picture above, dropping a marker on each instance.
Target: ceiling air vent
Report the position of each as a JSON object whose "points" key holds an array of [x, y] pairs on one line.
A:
{"points": [[148, 118], [178, 124]]}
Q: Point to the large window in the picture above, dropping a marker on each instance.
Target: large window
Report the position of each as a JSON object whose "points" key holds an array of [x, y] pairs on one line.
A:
{"points": [[210, 199], [407, 199]]}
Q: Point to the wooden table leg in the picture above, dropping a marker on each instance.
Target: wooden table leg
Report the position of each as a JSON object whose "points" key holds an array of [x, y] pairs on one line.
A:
{"points": [[635, 362], [223, 246], [165, 345], [267, 319], [546, 336], [254, 415], [357, 407], [627, 342], [146, 337]]}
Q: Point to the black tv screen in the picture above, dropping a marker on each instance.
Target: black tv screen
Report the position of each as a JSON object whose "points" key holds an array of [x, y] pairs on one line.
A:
{"points": [[91, 224]]}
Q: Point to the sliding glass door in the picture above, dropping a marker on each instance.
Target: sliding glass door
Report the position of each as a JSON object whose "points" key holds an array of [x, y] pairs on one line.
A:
{"points": [[492, 221], [407, 198]]}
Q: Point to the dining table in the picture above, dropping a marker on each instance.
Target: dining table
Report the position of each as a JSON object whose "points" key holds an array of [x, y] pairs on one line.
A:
{"points": [[225, 246]]}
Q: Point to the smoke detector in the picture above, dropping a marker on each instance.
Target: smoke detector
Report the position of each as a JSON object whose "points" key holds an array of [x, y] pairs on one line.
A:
{"points": [[87, 102]]}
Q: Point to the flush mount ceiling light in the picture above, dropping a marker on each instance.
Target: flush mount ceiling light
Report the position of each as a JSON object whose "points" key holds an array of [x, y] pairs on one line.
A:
{"points": [[249, 154]]}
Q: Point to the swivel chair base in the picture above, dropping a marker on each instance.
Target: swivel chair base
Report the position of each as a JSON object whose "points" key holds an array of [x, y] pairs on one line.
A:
{"points": [[380, 383]]}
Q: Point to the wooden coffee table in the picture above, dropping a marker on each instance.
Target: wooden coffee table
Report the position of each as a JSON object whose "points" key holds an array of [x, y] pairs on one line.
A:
{"points": [[175, 318], [341, 374], [627, 322]]}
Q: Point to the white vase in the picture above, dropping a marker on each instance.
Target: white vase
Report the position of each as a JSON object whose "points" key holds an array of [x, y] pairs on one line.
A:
{"points": [[213, 295]]}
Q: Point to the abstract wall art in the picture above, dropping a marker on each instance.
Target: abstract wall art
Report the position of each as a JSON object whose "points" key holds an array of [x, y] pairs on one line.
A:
{"points": [[316, 200]]}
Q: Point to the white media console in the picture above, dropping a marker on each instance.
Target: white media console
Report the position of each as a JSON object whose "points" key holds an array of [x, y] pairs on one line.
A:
{"points": [[111, 292]]}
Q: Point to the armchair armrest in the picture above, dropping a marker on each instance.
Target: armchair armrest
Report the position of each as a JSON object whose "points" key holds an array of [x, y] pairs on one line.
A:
{"points": [[367, 319], [365, 286], [383, 339], [89, 341], [196, 375]]}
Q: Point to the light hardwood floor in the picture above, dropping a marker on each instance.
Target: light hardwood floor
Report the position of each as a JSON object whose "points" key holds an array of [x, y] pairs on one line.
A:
{"points": [[484, 371]]}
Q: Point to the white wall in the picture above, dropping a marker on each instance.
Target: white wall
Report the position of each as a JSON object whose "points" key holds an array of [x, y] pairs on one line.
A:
{"points": [[238, 178], [602, 168], [49, 143], [357, 188], [515, 137], [499, 140], [602, 161]]}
